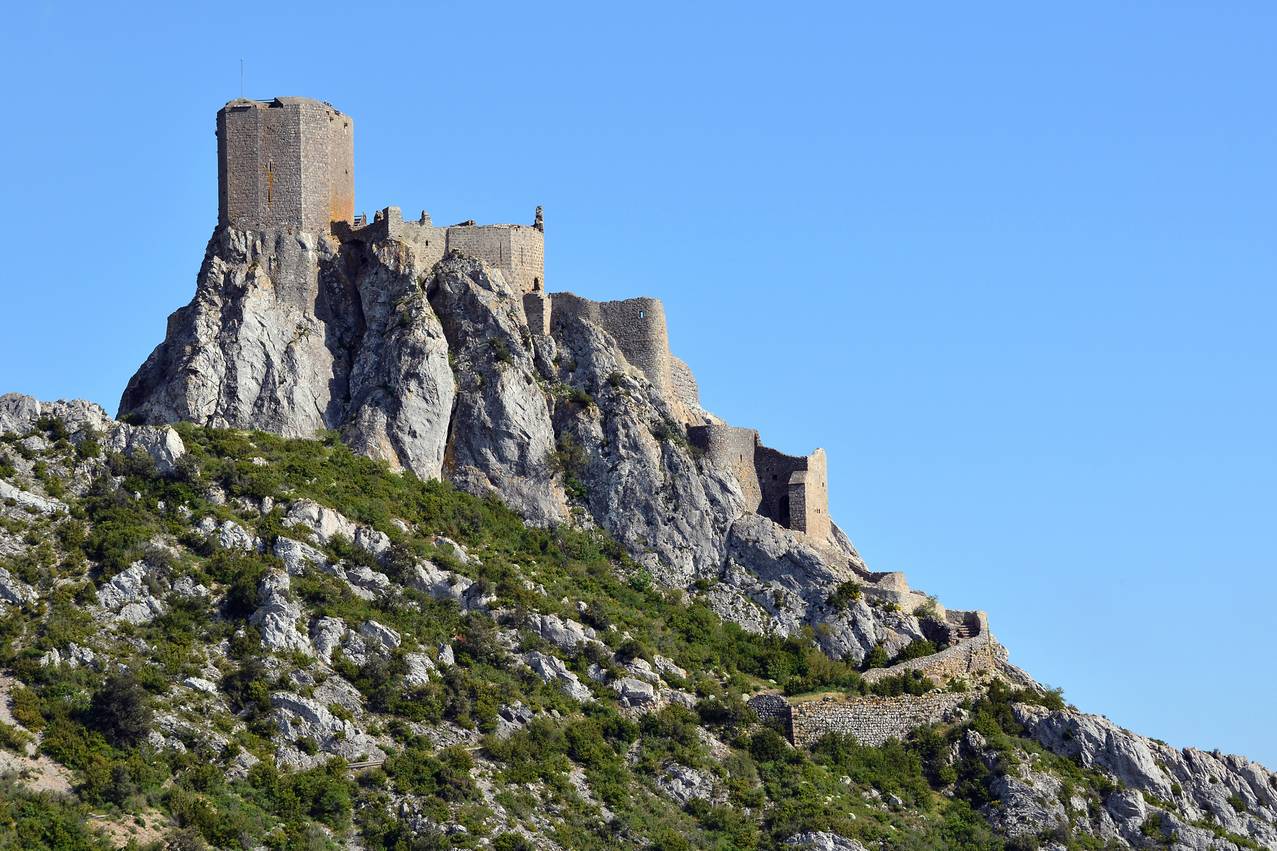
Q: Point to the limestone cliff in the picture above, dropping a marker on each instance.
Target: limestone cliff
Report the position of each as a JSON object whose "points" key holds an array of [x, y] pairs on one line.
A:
{"points": [[433, 367]]}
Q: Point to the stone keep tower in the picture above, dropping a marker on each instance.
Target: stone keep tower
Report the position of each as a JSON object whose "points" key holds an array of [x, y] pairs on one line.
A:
{"points": [[285, 163]]}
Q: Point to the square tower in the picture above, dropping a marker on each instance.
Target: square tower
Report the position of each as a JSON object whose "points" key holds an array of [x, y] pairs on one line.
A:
{"points": [[285, 163]]}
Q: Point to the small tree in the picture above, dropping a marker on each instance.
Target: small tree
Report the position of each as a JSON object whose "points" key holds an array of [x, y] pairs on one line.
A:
{"points": [[120, 709]]}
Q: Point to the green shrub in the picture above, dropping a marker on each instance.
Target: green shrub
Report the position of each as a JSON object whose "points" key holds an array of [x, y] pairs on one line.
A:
{"points": [[25, 708], [845, 595], [915, 649], [120, 709], [13, 738], [876, 658]]}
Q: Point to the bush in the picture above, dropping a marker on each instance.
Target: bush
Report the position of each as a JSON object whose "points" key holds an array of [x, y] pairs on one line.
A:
{"points": [[120, 709], [13, 738], [915, 649], [876, 658], [845, 594]]}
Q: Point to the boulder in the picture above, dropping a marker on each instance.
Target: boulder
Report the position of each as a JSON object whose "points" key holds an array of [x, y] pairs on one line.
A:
{"points": [[277, 615], [552, 670]]}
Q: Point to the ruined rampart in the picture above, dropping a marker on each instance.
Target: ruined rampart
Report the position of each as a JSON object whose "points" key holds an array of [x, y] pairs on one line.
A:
{"points": [[871, 720], [637, 324], [517, 251], [732, 449], [795, 490], [969, 659]]}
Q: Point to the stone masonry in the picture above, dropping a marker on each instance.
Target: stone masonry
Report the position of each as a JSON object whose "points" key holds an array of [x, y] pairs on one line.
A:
{"points": [[870, 720], [288, 164], [791, 490], [285, 163], [517, 251], [969, 659]]}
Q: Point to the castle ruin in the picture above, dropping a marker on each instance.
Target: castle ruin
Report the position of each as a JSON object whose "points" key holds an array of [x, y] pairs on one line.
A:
{"points": [[288, 164]]}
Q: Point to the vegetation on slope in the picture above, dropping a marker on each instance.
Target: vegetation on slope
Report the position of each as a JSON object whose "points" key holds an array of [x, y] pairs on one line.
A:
{"points": [[580, 775]]}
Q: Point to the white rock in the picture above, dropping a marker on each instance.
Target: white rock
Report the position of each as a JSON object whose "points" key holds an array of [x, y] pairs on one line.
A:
{"points": [[635, 692], [200, 684], [30, 501], [232, 536], [186, 586], [298, 556], [563, 633], [277, 615], [326, 634], [14, 590], [552, 670], [127, 596], [667, 667], [323, 521], [379, 633], [420, 669]]}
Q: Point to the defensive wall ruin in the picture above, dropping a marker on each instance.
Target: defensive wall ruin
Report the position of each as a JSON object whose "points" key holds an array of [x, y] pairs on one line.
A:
{"points": [[873, 720], [792, 490], [288, 164], [518, 251]]}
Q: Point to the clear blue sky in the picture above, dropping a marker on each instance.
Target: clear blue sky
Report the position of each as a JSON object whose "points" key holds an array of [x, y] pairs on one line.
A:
{"points": [[1013, 268]]}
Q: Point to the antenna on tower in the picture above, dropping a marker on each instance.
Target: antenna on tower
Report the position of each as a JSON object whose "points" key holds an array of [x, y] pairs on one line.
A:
{"points": [[241, 78]]}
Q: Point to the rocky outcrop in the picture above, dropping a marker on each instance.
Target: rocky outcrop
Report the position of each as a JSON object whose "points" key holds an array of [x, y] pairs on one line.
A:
{"points": [[292, 334], [435, 369], [277, 615], [552, 670], [129, 595], [820, 840], [639, 481], [1198, 786], [502, 440], [83, 421]]}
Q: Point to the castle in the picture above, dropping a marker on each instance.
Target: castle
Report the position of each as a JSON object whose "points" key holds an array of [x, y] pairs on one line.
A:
{"points": [[288, 164]]}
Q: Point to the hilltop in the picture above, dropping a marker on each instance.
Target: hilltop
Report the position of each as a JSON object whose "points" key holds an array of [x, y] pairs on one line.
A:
{"points": [[391, 547]]}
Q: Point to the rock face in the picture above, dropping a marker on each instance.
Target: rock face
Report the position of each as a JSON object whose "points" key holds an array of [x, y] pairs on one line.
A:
{"points": [[436, 369], [502, 438], [291, 334], [1231, 791], [86, 421]]}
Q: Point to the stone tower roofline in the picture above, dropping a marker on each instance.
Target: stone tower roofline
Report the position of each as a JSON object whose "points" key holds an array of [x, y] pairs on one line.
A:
{"points": [[286, 100]]}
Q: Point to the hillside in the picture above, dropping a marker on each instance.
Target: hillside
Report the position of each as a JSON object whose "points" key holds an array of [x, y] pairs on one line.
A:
{"points": [[228, 638]]}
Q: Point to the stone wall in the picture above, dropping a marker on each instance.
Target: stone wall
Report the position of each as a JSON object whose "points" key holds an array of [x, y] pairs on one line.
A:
{"points": [[286, 163], [732, 449], [638, 324], [771, 708], [969, 659], [795, 490], [686, 389], [809, 497], [536, 308], [871, 720], [518, 252]]}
